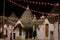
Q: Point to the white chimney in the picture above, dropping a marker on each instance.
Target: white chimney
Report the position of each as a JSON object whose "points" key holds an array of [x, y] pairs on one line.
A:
{"points": [[34, 18], [27, 6], [42, 16]]}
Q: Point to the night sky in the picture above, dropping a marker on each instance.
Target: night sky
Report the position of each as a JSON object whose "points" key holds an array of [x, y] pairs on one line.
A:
{"points": [[9, 7]]}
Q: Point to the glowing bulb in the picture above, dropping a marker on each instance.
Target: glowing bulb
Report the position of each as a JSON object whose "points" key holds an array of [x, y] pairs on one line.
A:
{"points": [[39, 3], [36, 2], [45, 3], [48, 3], [57, 4], [51, 4], [42, 3], [33, 2]]}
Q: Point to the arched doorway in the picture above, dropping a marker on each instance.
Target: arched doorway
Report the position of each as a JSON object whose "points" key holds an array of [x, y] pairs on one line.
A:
{"points": [[28, 31], [17, 31], [20, 28]]}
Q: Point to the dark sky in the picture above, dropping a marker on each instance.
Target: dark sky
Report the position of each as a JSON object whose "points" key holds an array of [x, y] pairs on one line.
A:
{"points": [[9, 7], [1, 7]]}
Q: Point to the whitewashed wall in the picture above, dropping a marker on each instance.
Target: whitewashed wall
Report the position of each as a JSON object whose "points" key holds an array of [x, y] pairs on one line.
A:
{"points": [[16, 33], [56, 31], [41, 31], [51, 26], [59, 27], [9, 30], [23, 35]]}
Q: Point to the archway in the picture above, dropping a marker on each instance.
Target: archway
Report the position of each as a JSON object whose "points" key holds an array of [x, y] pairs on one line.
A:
{"points": [[20, 28]]}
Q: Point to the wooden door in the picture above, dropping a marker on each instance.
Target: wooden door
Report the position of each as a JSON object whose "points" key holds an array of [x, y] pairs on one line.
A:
{"points": [[46, 30]]}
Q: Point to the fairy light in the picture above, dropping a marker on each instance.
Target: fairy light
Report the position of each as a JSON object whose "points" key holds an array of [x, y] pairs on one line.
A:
{"points": [[36, 2], [42, 3], [33, 2], [39, 3], [34, 10], [57, 4], [39, 12], [45, 3], [51, 4], [48, 3]]}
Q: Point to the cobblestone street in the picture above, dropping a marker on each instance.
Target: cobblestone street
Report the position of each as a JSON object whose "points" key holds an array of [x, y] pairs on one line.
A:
{"points": [[26, 39]]}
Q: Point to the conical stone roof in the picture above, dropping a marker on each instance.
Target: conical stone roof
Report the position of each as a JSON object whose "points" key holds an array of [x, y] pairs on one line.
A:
{"points": [[56, 9], [27, 17], [12, 19], [13, 15]]}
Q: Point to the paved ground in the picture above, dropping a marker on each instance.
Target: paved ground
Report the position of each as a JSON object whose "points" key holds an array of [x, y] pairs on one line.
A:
{"points": [[29, 39], [51, 38]]}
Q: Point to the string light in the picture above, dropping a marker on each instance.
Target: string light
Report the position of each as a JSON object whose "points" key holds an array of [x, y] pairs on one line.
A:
{"points": [[34, 10], [51, 4], [40, 3]]}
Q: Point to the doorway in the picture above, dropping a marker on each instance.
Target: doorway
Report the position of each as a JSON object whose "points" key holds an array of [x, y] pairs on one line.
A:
{"points": [[46, 30], [59, 31], [51, 35]]}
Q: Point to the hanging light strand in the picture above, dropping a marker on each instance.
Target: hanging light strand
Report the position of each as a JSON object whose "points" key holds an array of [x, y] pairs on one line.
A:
{"points": [[34, 10], [33, 2]]}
